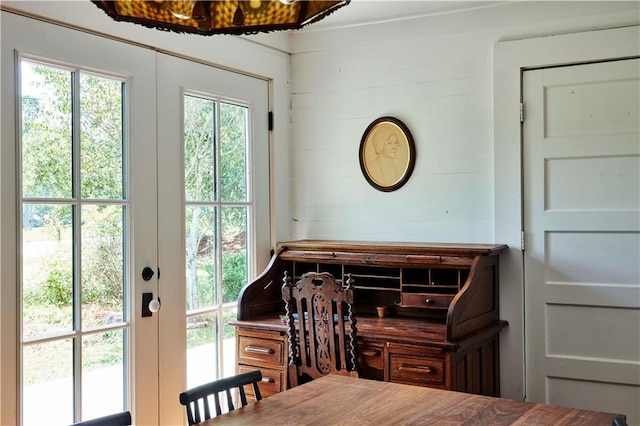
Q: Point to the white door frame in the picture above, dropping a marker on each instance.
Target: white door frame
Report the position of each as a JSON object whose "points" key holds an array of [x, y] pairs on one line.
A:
{"points": [[510, 59]]}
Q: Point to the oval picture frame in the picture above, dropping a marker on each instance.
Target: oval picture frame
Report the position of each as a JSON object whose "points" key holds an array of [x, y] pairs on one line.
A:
{"points": [[387, 154]]}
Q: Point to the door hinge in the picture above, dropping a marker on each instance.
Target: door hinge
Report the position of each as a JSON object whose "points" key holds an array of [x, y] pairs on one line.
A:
{"points": [[521, 112], [270, 119], [522, 242]]}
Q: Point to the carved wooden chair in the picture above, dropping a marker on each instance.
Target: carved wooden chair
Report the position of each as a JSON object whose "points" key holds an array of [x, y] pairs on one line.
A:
{"points": [[118, 419], [321, 327], [196, 400]]}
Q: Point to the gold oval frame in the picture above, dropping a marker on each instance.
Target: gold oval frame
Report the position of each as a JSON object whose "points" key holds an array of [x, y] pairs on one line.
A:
{"points": [[387, 154]]}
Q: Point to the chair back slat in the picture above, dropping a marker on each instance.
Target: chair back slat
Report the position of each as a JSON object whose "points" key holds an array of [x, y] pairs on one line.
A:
{"points": [[191, 397], [190, 418], [206, 408], [243, 396], [230, 399], [256, 391]]}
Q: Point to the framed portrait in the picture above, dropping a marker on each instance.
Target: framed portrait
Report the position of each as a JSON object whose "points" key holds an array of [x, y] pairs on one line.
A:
{"points": [[387, 154]]}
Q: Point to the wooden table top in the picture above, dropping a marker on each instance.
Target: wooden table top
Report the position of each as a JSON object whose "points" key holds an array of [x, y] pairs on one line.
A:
{"points": [[340, 400]]}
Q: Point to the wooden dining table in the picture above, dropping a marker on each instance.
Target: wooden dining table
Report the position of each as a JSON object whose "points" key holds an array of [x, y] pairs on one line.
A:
{"points": [[341, 400]]}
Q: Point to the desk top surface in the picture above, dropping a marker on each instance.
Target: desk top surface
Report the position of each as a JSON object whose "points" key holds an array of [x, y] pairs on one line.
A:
{"points": [[390, 329], [334, 399]]}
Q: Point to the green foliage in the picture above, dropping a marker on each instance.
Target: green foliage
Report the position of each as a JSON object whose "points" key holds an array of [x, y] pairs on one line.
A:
{"points": [[46, 134], [200, 185], [103, 259], [101, 131], [205, 286], [57, 287], [234, 275], [47, 165], [211, 158], [199, 149], [233, 153], [102, 281]]}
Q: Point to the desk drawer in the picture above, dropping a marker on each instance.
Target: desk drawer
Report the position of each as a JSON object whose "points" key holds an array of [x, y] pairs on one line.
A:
{"points": [[271, 380], [254, 349], [424, 371], [427, 300]]}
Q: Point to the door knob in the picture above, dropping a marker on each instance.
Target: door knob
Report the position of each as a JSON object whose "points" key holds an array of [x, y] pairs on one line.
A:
{"points": [[149, 304], [154, 305]]}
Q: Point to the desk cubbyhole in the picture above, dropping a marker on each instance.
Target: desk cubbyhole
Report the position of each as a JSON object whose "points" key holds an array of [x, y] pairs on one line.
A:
{"points": [[332, 268], [415, 276], [300, 268], [373, 282], [445, 277], [366, 300], [372, 271]]}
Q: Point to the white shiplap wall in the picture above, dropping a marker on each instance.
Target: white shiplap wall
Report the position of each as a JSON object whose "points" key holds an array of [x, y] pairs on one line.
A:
{"points": [[436, 74], [440, 96]]}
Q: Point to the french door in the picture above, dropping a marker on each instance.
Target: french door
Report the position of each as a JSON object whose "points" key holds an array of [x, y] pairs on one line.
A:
{"points": [[215, 123], [106, 222]]}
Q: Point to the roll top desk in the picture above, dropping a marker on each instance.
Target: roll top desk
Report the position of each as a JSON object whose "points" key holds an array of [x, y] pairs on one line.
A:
{"points": [[441, 329]]}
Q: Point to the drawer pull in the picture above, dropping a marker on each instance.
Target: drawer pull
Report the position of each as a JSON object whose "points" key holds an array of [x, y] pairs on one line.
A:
{"points": [[369, 353], [428, 301], [259, 350], [268, 380], [417, 369]]}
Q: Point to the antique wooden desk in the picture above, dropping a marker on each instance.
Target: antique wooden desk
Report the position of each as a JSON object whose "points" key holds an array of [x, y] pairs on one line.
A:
{"points": [[441, 331], [334, 399]]}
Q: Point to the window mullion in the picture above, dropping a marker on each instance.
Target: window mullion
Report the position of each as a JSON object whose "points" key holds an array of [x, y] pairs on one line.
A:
{"points": [[77, 247], [218, 201]]}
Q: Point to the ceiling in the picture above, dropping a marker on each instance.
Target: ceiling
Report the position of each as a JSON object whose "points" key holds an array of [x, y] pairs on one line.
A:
{"points": [[362, 12]]}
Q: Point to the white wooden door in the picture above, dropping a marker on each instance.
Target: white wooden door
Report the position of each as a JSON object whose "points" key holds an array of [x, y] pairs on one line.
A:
{"points": [[582, 230], [213, 212], [77, 362]]}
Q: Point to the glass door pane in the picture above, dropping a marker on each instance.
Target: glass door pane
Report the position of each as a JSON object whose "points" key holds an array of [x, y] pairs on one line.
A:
{"points": [[75, 326], [216, 206]]}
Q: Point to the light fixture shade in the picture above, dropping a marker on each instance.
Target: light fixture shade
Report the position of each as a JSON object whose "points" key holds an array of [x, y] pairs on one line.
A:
{"points": [[220, 16]]}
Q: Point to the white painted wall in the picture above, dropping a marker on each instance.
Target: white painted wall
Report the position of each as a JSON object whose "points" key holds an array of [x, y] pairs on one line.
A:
{"points": [[436, 74]]}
